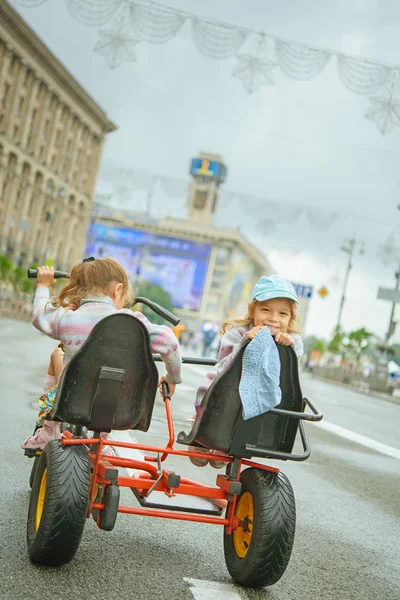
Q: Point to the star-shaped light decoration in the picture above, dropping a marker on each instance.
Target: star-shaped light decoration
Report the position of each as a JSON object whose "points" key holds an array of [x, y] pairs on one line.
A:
{"points": [[385, 109], [255, 69], [117, 46]]}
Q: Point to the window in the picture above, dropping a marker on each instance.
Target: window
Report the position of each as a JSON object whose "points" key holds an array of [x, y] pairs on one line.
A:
{"points": [[40, 90], [5, 95], [20, 106], [12, 64], [33, 119], [200, 200], [26, 78], [222, 256]]}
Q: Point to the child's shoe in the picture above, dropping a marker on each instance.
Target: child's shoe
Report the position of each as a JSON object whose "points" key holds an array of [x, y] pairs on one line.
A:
{"points": [[107, 450], [49, 431], [199, 461], [217, 464]]}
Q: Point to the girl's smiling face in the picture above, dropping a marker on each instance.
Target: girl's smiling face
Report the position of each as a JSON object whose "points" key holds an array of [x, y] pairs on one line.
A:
{"points": [[274, 314]]}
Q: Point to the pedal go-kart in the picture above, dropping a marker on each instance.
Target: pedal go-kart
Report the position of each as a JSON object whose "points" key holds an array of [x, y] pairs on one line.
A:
{"points": [[111, 384]]}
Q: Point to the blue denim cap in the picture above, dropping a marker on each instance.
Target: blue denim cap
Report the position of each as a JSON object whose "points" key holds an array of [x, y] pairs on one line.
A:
{"points": [[274, 286]]}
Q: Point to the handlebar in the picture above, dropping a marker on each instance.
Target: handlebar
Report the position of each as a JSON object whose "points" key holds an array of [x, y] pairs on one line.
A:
{"points": [[159, 310], [32, 274], [163, 312]]}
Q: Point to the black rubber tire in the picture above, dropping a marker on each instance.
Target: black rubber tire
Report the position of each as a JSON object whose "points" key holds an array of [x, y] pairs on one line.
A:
{"points": [[33, 471], [65, 507], [272, 537], [108, 516]]}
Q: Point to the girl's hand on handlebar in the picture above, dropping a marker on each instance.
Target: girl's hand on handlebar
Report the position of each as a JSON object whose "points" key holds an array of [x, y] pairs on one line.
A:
{"points": [[253, 332], [284, 338], [45, 277], [171, 386]]}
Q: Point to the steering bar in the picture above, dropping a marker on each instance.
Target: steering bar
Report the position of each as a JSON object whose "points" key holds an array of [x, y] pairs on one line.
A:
{"points": [[163, 312]]}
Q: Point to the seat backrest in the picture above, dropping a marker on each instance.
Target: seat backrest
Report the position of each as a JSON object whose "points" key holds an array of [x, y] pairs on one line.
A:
{"points": [[111, 383], [220, 424]]}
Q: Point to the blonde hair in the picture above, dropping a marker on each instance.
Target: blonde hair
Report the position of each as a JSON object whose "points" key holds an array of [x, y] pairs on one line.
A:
{"points": [[293, 326], [94, 277]]}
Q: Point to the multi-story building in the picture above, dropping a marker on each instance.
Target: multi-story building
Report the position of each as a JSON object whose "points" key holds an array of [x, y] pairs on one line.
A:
{"points": [[208, 271], [51, 139]]}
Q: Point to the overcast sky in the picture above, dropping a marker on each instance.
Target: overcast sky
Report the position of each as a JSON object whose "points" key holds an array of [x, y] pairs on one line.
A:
{"points": [[303, 143]]}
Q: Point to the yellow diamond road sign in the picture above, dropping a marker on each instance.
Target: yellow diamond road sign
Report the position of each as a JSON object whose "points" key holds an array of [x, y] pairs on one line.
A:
{"points": [[323, 292]]}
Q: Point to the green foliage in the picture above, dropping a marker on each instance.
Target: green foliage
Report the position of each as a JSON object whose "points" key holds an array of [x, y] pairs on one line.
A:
{"points": [[6, 268], [319, 345], [336, 344], [16, 276], [358, 342], [157, 294]]}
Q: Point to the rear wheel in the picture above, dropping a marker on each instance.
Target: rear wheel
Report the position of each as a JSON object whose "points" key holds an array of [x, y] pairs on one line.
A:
{"points": [[33, 470], [59, 503], [258, 551]]}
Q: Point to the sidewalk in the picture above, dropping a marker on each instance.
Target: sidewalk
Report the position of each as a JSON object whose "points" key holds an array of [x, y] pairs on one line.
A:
{"points": [[380, 395]]}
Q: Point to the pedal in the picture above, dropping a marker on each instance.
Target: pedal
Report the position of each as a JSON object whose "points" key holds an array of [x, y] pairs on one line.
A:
{"points": [[32, 452]]}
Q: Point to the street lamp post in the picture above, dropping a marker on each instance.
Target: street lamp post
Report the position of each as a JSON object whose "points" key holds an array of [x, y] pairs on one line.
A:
{"points": [[349, 247], [392, 323]]}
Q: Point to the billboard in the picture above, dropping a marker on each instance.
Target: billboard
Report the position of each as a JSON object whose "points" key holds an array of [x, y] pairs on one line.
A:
{"points": [[177, 265], [207, 168]]}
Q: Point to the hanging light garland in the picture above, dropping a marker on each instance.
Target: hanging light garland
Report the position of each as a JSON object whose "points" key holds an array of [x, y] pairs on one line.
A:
{"points": [[125, 181], [130, 22]]}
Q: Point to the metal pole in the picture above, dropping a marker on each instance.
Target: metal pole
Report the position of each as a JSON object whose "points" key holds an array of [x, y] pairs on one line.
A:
{"points": [[391, 327], [350, 251]]}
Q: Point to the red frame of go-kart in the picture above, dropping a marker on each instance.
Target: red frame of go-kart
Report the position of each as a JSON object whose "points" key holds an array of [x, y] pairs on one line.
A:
{"points": [[152, 477]]}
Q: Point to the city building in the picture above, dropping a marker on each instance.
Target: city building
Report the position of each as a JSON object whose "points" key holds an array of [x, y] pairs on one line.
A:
{"points": [[208, 271], [51, 140]]}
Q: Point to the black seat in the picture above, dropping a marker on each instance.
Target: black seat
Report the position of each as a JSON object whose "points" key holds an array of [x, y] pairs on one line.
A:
{"points": [[219, 424], [111, 383]]}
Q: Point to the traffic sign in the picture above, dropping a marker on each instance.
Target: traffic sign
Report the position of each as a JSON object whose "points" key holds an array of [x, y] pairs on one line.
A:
{"points": [[303, 291], [389, 295]]}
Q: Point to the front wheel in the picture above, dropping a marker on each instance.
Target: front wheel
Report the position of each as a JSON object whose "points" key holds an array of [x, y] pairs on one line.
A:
{"points": [[59, 503], [258, 551]]}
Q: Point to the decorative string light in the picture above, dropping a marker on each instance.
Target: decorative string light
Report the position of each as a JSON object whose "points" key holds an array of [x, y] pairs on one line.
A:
{"points": [[130, 22]]}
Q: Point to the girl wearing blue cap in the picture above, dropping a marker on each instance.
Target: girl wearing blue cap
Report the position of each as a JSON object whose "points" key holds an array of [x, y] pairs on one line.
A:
{"points": [[274, 305]]}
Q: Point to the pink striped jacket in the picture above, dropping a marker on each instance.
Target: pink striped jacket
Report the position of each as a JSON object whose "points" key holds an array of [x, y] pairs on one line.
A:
{"points": [[72, 327]]}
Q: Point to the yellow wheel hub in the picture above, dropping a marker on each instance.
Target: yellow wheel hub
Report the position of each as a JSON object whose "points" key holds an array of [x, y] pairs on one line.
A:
{"points": [[245, 514], [40, 500]]}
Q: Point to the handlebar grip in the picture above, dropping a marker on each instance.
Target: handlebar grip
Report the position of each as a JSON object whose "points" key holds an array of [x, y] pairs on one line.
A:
{"points": [[32, 274], [163, 312], [165, 389]]}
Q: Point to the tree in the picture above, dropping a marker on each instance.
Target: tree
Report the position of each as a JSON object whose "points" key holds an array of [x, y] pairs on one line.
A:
{"points": [[336, 344], [6, 268], [157, 294], [358, 342], [319, 345]]}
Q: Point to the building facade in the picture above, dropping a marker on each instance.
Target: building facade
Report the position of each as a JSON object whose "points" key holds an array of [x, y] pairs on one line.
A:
{"points": [[51, 140], [209, 272]]}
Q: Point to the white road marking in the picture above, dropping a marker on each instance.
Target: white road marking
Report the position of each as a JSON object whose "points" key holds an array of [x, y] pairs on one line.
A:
{"points": [[211, 590], [360, 439]]}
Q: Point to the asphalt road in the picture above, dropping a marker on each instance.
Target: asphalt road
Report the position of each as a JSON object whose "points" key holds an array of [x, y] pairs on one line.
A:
{"points": [[347, 543]]}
